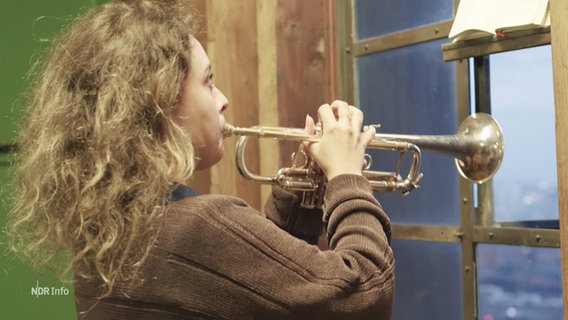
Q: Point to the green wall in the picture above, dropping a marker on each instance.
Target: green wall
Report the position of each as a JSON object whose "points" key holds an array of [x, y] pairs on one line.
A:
{"points": [[24, 27]]}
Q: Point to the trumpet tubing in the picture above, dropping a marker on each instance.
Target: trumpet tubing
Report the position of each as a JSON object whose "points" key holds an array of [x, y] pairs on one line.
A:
{"points": [[477, 148]]}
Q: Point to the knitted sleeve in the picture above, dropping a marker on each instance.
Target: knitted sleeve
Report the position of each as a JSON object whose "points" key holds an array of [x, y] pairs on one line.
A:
{"points": [[283, 208]]}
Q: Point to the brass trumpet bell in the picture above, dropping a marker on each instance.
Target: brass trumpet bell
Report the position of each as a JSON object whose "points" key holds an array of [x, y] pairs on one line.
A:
{"points": [[477, 147]]}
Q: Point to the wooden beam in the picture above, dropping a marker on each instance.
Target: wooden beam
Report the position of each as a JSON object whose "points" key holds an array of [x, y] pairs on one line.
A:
{"points": [[558, 30]]}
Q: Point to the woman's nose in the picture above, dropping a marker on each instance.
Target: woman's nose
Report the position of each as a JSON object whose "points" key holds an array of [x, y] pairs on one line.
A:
{"points": [[222, 100]]}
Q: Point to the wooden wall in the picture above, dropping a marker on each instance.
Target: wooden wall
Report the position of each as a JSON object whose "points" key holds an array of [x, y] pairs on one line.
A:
{"points": [[274, 60], [559, 30]]}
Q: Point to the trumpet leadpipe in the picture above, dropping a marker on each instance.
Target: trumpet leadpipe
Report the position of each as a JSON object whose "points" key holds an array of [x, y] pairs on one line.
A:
{"points": [[281, 133]]}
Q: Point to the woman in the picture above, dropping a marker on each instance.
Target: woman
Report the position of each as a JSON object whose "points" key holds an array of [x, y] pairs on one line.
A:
{"points": [[123, 113]]}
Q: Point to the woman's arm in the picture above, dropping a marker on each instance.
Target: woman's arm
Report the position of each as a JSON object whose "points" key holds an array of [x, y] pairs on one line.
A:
{"points": [[283, 208]]}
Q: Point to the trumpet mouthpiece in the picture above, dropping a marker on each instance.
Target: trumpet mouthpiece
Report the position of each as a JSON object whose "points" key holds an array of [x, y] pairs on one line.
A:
{"points": [[228, 130]]}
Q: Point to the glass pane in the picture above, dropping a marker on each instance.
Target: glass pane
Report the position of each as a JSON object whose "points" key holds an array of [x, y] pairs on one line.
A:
{"points": [[424, 289], [375, 18], [412, 91], [523, 103], [519, 283]]}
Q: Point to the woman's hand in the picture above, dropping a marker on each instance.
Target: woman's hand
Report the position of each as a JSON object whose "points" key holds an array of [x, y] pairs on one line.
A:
{"points": [[342, 147]]}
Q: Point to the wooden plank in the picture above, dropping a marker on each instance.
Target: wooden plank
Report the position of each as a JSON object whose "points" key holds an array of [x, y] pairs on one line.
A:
{"points": [[267, 94], [559, 28], [201, 180], [232, 49], [305, 61]]}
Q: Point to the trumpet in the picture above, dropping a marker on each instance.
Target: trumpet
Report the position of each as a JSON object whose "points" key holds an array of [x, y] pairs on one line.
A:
{"points": [[477, 149]]}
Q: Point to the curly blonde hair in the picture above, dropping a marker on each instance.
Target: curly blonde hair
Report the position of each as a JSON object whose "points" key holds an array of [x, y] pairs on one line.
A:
{"points": [[99, 149]]}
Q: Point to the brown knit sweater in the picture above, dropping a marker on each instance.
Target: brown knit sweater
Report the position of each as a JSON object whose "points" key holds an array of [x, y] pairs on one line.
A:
{"points": [[217, 258]]}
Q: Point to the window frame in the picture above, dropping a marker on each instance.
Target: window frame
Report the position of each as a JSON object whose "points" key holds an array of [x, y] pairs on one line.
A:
{"points": [[476, 205]]}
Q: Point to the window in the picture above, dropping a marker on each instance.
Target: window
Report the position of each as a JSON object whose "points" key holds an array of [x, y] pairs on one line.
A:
{"points": [[521, 281], [462, 251], [522, 99]]}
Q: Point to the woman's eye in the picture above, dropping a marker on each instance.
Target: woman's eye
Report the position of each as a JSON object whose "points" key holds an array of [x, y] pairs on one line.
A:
{"points": [[210, 79]]}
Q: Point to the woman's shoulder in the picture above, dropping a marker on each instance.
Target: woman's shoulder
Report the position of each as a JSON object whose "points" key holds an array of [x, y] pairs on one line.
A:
{"points": [[205, 220], [207, 203], [203, 211]]}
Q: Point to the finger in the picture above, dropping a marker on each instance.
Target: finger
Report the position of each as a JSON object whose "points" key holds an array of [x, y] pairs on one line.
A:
{"points": [[336, 104], [341, 109], [310, 125], [326, 114], [368, 135], [356, 112], [356, 118]]}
